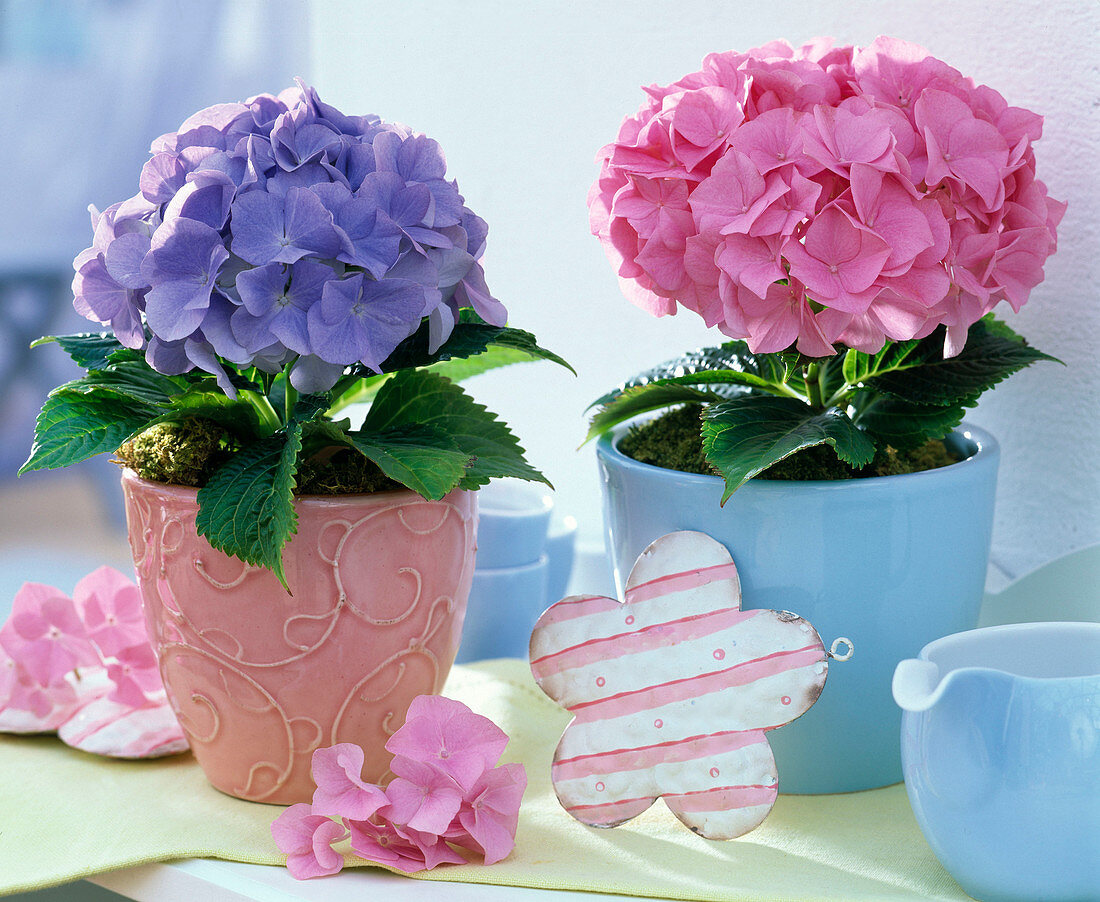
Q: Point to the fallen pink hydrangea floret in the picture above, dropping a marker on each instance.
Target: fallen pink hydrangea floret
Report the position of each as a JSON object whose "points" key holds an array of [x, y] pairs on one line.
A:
{"points": [[448, 790], [341, 791], [307, 840], [83, 667]]}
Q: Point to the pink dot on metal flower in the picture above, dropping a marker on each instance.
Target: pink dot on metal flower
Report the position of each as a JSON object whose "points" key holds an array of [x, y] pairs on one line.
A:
{"points": [[658, 723], [599, 787], [600, 681], [719, 654], [630, 620], [714, 771], [786, 699]]}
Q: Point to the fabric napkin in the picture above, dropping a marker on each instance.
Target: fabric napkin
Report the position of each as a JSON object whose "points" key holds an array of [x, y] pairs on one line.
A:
{"points": [[66, 815]]}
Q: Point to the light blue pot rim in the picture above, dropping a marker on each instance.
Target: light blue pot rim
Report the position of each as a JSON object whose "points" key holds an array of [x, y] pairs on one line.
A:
{"points": [[986, 454]]}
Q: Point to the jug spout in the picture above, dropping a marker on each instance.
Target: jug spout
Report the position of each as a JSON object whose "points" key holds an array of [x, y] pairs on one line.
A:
{"points": [[916, 684]]}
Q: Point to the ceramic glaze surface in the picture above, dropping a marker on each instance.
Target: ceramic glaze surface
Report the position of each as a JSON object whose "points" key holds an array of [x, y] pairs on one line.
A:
{"points": [[1001, 745], [260, 679], [892, 562]]}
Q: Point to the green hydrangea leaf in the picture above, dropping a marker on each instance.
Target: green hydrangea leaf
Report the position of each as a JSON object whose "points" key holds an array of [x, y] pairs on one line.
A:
{"points": [[422, 457], [247, 507], [73, 426], [415, 397], [904, 425], [992, 353], [470, 337], [638, 399], [744, 436], [90, 350], [237, 416], [132, 378], [765, 371]]}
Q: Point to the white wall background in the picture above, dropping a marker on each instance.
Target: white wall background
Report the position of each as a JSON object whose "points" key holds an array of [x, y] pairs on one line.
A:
{"points": [[521, 95]]}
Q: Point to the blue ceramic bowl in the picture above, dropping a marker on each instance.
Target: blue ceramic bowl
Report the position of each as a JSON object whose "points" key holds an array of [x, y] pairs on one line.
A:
{"points": [[891, 562], [1001, 748]]}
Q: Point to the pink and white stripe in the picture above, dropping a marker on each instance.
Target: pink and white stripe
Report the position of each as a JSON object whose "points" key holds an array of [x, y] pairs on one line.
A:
{"points": [[674, 691]]}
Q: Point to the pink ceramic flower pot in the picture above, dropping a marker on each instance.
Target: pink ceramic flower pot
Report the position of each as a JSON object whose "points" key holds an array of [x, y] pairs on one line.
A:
{"points": [[260, 679]]}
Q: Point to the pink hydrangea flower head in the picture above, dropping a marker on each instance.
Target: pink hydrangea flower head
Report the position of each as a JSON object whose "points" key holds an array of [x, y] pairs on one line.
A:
{"points": [[307, 841], [341, 791], [875, 175], [447, 735]]}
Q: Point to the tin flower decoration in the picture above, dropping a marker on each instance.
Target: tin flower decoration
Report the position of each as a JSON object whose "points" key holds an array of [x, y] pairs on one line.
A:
{"points": [[674, 691]]}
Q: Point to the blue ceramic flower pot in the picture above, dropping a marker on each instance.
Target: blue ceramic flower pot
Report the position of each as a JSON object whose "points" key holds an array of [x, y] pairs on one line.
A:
{"points": [[891, 562]]}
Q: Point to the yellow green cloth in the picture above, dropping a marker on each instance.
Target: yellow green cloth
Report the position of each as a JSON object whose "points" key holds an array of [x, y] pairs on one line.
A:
{"points": [[66, 815]]}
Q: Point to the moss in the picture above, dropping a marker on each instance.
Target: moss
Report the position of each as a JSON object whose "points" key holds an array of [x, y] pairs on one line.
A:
{"points": [[187, 453], [344, 473], [672, 440], [184, 453]]}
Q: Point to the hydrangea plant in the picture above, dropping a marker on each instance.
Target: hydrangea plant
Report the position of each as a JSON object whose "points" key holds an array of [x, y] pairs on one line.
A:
{"points": [[850, 217], [281, 261]]}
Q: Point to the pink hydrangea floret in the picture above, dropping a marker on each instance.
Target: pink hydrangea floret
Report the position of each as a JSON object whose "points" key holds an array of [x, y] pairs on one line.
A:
{"points": [[83, 667], [448, 791], [826, 196]]}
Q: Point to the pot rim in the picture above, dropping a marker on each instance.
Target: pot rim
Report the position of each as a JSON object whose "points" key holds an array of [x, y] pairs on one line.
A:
{"points": [[986, 453], [191, 492]]}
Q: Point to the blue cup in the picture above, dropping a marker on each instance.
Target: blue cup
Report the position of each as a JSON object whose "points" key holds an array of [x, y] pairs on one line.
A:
{"points": [[1000, 745], [504, 604], [513, 520]]}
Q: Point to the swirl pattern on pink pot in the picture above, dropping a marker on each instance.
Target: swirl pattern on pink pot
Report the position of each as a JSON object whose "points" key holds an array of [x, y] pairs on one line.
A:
{"points": [[261, 679], [673, 692]]}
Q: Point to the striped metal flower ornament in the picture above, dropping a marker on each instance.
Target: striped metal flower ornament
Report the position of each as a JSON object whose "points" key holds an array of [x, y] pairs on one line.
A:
{"points": [[673, 692]]}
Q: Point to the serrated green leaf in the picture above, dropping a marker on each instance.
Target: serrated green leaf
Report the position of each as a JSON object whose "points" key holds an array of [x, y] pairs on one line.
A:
{"points": [[74, 426], [469, 338], [236, 415], [764, 371], [643, 398], [90, 350], [744, 436], [420, 397], [310, 408], [132, 378], [988, 357], [247, 508], [422, 457], [905, 426]]}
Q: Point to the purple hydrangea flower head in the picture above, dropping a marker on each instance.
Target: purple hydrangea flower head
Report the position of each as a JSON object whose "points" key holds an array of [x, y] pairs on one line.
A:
{"points": [[281, 231]]}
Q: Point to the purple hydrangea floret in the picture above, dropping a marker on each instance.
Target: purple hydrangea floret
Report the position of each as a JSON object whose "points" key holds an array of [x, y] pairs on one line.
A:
{"points": [[280, 230]]}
